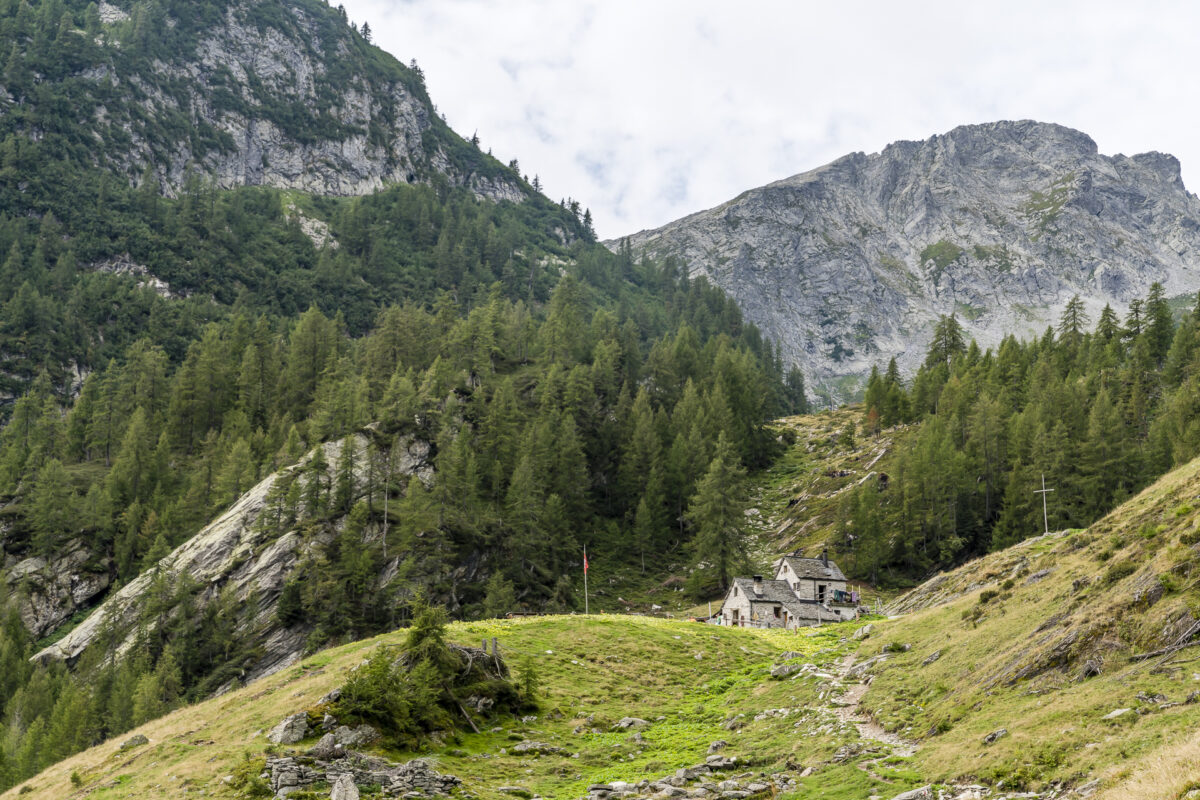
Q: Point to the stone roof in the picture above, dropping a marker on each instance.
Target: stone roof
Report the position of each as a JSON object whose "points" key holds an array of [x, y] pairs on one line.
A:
{"points": [[772, 591], [814, 568]]}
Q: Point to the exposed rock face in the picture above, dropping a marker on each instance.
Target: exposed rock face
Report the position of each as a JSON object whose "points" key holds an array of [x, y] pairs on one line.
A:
{"points": [[852, 263], [49, 592], [273, 94], [232, 554]]}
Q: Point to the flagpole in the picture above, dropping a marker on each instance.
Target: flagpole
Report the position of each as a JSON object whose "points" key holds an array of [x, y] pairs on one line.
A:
{"points": [[585, 587]]}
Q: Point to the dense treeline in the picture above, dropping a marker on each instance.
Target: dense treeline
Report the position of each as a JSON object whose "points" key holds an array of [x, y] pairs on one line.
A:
{"points": [[244, 249], [1101, 413]]}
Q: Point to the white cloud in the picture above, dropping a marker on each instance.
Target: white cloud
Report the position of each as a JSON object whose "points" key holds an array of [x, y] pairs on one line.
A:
{"points": [[647, 111]]}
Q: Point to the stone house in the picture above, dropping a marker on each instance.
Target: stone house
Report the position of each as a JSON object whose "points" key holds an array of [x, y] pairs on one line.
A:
{"points": [[804, 592]]}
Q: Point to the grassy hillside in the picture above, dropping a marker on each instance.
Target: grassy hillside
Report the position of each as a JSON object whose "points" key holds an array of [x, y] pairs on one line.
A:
{"points": [[1047, 639], [686, 679]]}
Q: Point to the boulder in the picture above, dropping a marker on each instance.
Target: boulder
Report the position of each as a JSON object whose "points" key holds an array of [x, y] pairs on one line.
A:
{"points": [[343, 788], [719, 744], [862, 633], [327, 749], [995, 735], [1120, 712], [922, 793], [134, 741], [631, 722], [291, 730], [784, 670], [349, 737], [934, 656]]}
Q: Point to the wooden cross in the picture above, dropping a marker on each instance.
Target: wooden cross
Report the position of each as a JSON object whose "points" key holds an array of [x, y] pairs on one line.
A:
{"points": [[1043, 492]]}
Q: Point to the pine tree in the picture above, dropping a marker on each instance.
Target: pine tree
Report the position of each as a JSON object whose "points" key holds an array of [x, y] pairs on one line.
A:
{"points": [[52, 507], [716, 512]]}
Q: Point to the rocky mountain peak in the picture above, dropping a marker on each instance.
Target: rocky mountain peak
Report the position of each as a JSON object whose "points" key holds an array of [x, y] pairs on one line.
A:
{"points": [[852, 263]]}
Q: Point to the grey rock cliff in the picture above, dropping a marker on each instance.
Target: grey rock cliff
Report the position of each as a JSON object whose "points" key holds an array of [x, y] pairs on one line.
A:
{"points": [[274, 94], [852, 263]]}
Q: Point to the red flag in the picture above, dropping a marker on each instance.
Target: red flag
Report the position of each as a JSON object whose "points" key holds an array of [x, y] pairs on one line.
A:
{"points": [[585, 564]]}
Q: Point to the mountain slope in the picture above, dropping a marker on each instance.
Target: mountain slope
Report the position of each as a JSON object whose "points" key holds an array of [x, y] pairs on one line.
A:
{"points": [[851, 263]]}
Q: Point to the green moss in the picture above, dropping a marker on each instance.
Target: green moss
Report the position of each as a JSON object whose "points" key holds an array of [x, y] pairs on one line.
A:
{"points": [[941, 254]]}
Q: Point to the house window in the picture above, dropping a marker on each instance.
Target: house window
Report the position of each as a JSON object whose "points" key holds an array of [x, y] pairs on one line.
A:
{"points": [[776, 612], [735, 591], [820, 592]]}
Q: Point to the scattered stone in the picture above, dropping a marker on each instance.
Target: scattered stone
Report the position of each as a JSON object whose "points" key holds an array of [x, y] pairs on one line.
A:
{"points": [[995, 736], [718, 745], [293, 729], [343, 788], [329, 722], [862, 633], [332, 697], [923, 793], [1120, 712], [134, 741], [932, 658], [1192, 698], [720, 762]]}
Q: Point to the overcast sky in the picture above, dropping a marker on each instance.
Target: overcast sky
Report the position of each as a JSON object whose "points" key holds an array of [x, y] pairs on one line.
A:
{"points": [[646, 111]]}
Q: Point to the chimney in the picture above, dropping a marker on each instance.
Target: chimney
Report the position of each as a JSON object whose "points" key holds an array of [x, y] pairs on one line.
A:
{"points": [[825, 557], [758, 585]]}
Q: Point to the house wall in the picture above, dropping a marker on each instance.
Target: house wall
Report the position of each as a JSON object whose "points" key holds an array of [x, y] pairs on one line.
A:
{"points": [[739, 603]]}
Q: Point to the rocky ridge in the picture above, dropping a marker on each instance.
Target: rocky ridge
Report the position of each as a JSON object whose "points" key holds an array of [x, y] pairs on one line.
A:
{"points": [[850, 264]]}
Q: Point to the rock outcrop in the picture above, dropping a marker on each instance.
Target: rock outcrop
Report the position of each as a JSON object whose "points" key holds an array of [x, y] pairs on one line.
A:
{"points": [[232, 554], [852, 263], [50, 591]]}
